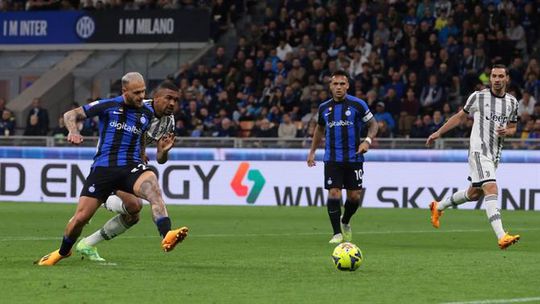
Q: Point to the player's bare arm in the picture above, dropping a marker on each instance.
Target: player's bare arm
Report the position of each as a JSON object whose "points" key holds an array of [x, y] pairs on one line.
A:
{"points": [[453, 122], [507, 131], [317, 138], [373, 128], [164, 145], [147, 187], [70, 119]]}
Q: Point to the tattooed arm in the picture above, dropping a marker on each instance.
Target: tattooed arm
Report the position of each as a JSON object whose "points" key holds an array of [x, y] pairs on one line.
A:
{"points": [[70, 120]]}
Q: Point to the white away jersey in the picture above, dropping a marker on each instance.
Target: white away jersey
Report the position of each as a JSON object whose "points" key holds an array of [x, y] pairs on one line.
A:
{"points": [[159, 126], [490, 112]]}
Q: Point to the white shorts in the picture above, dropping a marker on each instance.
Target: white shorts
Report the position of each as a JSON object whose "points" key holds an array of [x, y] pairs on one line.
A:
{"points": [[481, 169]]}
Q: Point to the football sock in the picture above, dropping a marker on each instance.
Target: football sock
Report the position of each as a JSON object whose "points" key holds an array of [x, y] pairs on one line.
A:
{"points": [[334, 212], [111, 229], [65, 248], [493, 214], [115, 204], [350, 209], [455, 199], [164, 225]]}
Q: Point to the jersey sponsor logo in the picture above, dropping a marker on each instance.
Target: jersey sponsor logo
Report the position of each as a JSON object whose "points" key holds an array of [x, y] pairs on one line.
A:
{"points": [[497, 118], [123, 126], [340, 123]]}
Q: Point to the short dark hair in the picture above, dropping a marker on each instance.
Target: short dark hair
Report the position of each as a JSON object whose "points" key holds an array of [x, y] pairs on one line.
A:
{"points": [[500, 66], [167, 85], [340, 73]]}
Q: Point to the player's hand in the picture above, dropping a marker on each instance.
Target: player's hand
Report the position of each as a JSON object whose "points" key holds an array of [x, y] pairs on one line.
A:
{"points": [[311, 159], [166, 142], [74, 138], [432, 138], [363, 148], [502, 131]]}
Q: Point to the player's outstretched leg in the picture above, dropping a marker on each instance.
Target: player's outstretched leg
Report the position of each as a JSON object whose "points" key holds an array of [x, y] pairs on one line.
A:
{"points": [[129, 206], [456, 199], [85, 210], [494, 216], [147, 187], [435, 213], [507, 240]]}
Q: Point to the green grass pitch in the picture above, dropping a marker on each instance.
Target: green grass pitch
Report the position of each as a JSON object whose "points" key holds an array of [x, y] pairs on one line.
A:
{"points": [[271, 255]]}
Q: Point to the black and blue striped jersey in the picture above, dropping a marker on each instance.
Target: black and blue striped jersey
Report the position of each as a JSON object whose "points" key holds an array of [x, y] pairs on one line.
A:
{"points": [[120, 131], [343, 122]]}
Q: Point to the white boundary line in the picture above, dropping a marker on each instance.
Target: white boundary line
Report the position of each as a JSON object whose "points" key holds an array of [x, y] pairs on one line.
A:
{"points": [[227, 235], [514, 300]]}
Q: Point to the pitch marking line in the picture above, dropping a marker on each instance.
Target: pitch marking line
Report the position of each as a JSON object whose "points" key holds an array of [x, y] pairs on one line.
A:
{"points": [[49, 238], [515, 300]]}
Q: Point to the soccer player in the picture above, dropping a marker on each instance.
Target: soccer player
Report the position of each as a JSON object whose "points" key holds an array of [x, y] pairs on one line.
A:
{"points": [[495, 117], [125, 204], [118, 164], [342, 118]]}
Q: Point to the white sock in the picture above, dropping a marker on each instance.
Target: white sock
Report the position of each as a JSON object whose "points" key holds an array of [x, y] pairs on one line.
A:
{"points": [[111, 229], [455, 199], [115, 204], [493, 214]]}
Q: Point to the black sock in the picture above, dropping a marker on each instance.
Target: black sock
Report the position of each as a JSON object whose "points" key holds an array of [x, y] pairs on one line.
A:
{"points": [[163, 225], [350, 209], [334, 212], [65, 248]]}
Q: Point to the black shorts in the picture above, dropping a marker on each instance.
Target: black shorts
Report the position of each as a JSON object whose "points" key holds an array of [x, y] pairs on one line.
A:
{"points": [[102, 181], [343, 175]]}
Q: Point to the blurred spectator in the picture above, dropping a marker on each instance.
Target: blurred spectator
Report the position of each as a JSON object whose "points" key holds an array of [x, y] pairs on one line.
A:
{"points": [[264, 128], [37, 122], [60, 131], [436, 123], [7, 123], [226, 129], [526, 104], [2, 104], [382, 115], [432, 95], [287, 128], [409, 110]]}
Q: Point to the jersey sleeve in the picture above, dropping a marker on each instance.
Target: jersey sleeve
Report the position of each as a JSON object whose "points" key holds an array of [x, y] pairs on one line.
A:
{"points": [[472, 103], [366, 115], [513, 114], [97, 107], [170, 127], [320, 119]]}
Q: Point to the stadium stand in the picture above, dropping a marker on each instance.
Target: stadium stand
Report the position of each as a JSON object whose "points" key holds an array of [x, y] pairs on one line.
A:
{"points": [[412, 61]]}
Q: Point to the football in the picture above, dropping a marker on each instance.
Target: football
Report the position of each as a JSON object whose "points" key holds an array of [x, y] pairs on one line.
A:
{"points": [[347, 257]]}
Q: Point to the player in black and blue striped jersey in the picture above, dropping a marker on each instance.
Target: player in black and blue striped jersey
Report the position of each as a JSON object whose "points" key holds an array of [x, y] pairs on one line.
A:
{"points": [[126, 205], [340, 122], [118, 163]]}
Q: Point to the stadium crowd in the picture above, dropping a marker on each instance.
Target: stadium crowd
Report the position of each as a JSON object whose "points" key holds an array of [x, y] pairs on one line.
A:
{"points": [[411, 61]]}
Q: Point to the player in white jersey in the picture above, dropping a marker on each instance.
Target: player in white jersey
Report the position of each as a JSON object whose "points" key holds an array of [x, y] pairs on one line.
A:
{"points": [[127, 205], [495, 117]]}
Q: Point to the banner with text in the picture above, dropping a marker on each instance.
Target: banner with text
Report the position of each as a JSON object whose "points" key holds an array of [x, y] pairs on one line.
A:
{"points": [[274, 183], [66, 27]]}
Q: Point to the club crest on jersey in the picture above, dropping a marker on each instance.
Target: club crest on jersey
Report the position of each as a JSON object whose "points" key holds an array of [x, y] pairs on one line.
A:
{"points": [[348, 112], [143, 120]]}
